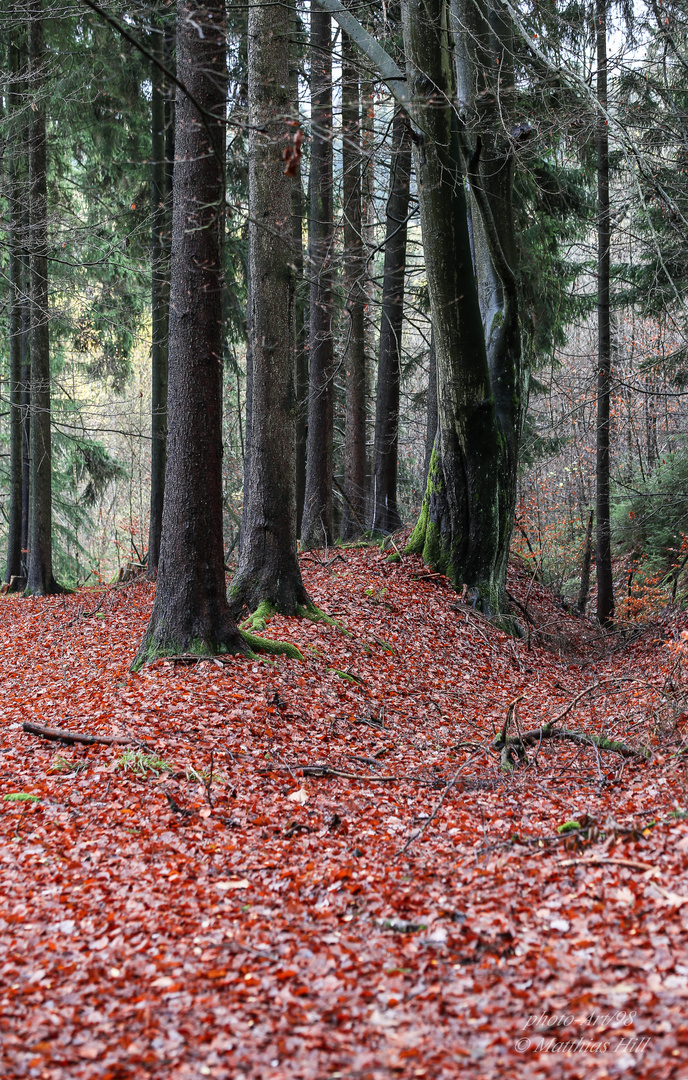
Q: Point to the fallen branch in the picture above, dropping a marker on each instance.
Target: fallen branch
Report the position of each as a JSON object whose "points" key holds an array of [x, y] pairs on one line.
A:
{"points": [[507, 745], [630, 863], [71, 737]]}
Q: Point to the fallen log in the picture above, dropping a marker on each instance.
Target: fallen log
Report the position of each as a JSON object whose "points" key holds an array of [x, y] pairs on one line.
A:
{"points": [[71, 737]]}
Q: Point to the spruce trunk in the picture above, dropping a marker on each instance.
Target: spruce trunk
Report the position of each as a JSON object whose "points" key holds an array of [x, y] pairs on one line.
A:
{"points": [[603, 553], [14, 555], [268, 576], [353, 517], [316, 529], [191, 613], [385, 515], [159, 305], [40, 580]]}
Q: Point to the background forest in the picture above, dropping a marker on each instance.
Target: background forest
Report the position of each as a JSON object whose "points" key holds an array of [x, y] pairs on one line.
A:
{"points": [[105, 83]]}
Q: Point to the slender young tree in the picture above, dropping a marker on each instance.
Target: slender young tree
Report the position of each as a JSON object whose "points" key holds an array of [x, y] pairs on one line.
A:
{"points": [[603, 550], [14, 554], [40, 579], [160, 298], [316, 527], [268, 577], [385, 515], [191, 613], [353, 518]]}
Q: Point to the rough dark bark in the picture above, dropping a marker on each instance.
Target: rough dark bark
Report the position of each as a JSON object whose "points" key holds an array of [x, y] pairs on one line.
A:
{"points": [[431, 422], [160, 297], [458, 530], [385, 515], [316, 528], [26, 395], [40, 580], [14, 555], [268, 576], [353, 515], [300, 297], [191, 613], [603, 553]]}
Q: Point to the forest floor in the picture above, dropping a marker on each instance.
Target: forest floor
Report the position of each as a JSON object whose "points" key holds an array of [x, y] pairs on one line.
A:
{"points": [[358, 891]]}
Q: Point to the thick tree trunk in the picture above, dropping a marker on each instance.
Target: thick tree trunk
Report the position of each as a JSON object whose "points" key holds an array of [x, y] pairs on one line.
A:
{"points": [[300, 297], [353, 517], [603, 554], [458, 530], [191, 613], [15, 243], [160, 298], [385, 515], [316, 529], [483, 39], [40, 580], [26, 393], [268, 577]]}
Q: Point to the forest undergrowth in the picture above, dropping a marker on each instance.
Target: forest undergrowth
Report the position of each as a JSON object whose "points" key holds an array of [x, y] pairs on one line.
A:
{"points": [[318, 868]]}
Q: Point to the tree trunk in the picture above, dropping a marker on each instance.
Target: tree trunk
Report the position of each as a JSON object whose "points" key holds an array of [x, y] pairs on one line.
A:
{"points": [[385, 515], [458, 530], [603, 554], [316, 528], [300, 298], [484, 50], [26, 392], [191, 613], [159, 303], [585, 569], [15, 243], [268, 577], [431, 422], [40, 580], [353, 519]]}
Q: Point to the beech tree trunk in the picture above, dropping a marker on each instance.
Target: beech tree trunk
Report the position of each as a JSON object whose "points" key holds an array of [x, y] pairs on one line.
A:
{"points": [[160, 297], [316, 528], [191, 613], [353, 514], [14, 554], [603, 553], [385, 515], [268, 576], [40, 579], [458, 530]]}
